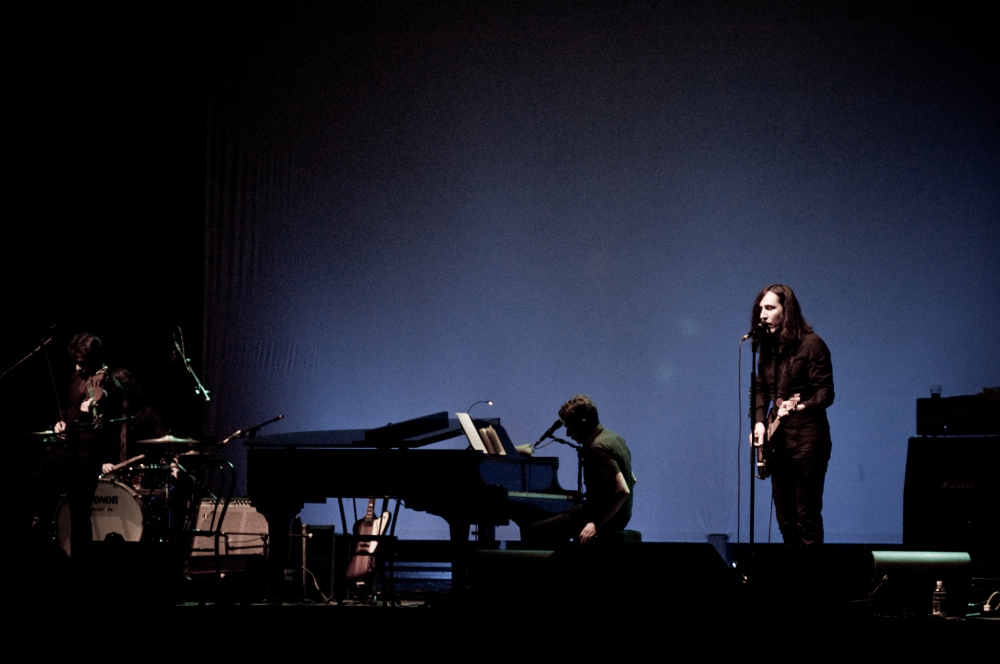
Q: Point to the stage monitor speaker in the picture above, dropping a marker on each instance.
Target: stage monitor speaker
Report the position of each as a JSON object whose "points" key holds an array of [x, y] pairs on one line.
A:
{"points": [[906, 580], [681, 579], [789, 581]]}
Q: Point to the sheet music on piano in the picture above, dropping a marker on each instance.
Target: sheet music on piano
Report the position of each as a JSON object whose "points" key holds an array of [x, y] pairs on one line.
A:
{"points": [[470, 431], [485, 439]]}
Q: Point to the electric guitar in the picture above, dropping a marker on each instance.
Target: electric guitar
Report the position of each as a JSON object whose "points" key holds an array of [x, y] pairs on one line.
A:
{"points": [[97, 384], [765, 449], [362, 561]]}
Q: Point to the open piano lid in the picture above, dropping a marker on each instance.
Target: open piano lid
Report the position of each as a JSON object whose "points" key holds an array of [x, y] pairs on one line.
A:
{"points": [[417, 432]]}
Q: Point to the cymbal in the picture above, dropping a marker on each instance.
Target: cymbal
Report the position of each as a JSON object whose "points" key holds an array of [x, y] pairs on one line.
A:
{"points": [[168, 440], [48, 432]]}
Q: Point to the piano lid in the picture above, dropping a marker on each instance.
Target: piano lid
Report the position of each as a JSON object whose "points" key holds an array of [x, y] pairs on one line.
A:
{"points": [[417, 432]]}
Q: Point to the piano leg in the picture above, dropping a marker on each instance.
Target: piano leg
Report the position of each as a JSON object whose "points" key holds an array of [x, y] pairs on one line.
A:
{"points": [[486, 534], [459, 555]]}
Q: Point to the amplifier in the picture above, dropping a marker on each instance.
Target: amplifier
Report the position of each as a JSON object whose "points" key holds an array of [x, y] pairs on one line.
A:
{"points": [[976, 415], [244, 530]]}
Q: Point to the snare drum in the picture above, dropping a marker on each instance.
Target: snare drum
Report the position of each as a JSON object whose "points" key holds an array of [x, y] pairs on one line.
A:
{"points": [[148, 479], [116, 509]]}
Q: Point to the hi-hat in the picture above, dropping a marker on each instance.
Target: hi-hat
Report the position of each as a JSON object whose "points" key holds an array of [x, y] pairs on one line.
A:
{"points": [[168, 440]]}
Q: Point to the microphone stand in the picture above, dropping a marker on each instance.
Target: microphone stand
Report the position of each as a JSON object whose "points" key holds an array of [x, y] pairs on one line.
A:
{"points": [[199, 388], [753, 451], [43, 345], [250, 432], [579, 464]]}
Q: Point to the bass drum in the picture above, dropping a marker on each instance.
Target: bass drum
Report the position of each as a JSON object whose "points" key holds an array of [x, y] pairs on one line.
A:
{"points": [[115, 510]]}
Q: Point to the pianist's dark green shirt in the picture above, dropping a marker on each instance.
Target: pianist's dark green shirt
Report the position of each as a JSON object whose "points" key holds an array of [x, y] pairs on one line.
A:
{"points": [[606, 455]]}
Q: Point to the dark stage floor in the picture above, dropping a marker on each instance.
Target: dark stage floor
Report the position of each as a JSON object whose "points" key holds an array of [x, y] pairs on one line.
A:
{"points": [[680, 598]]}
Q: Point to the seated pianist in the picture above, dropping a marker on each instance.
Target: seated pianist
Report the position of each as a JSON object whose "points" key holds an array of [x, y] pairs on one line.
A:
{"points": [[607, 471]]}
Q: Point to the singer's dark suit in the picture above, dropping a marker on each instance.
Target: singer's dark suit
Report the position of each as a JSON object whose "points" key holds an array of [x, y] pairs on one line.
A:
{"points": [[802, 443]]}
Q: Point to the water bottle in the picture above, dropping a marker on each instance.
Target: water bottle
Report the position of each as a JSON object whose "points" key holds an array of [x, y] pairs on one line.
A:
{"points": [[940, 596]]}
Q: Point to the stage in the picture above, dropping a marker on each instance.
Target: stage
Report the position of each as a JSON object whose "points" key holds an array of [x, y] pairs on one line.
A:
{"points": [[678, 600]]}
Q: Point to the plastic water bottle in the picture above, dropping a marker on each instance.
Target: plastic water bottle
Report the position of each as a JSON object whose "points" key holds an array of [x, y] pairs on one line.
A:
{"points": [[940, 596]]}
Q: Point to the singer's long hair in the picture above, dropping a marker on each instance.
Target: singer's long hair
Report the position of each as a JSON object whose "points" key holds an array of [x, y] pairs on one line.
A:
{"points": [[793, 326]]}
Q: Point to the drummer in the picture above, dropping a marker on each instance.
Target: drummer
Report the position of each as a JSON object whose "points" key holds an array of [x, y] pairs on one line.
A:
{"points": [[144, 423], [92, 440]]}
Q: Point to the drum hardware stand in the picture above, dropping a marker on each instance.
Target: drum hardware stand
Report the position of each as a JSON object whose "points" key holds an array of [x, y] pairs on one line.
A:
{"points": [[191, 478]]}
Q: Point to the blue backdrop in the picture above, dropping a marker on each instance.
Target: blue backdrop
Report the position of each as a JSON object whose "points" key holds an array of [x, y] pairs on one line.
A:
{"points": [[412, 208]]}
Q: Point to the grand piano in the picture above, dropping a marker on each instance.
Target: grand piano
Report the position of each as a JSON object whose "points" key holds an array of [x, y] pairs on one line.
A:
{"points": [[463, 486]]}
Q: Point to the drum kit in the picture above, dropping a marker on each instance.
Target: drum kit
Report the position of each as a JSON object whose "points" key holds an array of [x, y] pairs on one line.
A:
{"points": [[138, 500]]}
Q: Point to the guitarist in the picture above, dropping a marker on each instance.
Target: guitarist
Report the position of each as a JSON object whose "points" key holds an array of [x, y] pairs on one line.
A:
{"points": [[793, 360], [90, 442]]}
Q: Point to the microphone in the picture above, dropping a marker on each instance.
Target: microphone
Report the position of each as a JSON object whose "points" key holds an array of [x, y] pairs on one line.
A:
{"points": [[552, 430], [50, 334], [759, 329]]}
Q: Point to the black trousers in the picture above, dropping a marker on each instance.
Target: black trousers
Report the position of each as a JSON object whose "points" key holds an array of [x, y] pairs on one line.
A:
{"points": [[561, 528], [797, 479], [72, 473]]}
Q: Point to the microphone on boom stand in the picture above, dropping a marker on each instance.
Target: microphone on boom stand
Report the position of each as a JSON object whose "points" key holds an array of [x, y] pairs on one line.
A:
{"points": [[758, 330], [551, 430]]}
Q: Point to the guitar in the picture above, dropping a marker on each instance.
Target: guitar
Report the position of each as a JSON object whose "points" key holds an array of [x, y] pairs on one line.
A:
{"points": [[97, 386], [764, 448], [362, 561]]}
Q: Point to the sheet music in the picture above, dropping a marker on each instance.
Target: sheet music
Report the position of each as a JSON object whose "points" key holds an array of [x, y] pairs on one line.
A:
{"points": [[470, 432]]}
